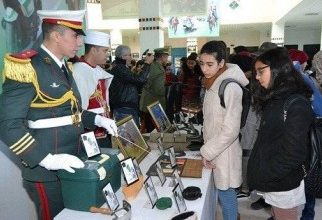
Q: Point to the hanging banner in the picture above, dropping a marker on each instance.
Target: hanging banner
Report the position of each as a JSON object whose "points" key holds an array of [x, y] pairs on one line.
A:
{"points": [[206, 25]]}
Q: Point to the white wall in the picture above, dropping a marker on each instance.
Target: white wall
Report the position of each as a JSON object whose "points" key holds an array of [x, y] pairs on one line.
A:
{"points": [[132, 41], [302, 36], [14, 202]]}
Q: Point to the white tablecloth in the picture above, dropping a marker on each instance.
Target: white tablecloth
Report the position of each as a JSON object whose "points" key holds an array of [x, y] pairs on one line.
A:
{"points": [[141, 209]]}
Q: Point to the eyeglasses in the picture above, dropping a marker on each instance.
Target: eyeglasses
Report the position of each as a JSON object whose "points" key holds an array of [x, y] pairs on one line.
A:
{"points": [[259, 71]]}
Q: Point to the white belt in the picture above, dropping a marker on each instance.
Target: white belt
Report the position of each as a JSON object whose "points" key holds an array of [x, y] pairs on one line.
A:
{"points": [[97, 110], [55, 122]]}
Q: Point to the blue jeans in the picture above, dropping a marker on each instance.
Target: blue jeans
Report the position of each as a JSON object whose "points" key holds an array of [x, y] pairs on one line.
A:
{"points": [[123, 112], [228, 200], [308, 211]]}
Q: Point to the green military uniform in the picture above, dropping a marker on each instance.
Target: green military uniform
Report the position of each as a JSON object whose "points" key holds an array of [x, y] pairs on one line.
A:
{"points": [[154, 89], [36, 88]]}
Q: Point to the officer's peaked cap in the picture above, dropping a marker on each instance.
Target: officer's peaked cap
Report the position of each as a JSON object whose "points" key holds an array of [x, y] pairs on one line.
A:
{"points": [[71, 19]]}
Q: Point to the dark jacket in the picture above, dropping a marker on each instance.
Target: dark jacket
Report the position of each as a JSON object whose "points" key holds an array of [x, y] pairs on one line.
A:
{"points": [[281, 147], [123, 91], [32, 145]]}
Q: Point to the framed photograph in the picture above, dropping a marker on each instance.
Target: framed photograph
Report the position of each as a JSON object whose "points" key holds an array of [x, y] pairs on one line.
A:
{"points": [[129, 171], [110, 197], [159, 117], [136, 56], [90, 144], [160, 173], [124, 212], [160, 146], [130, 141], [178, 197], [178, 179], [150, 190], [137, 167], [172, 156]]}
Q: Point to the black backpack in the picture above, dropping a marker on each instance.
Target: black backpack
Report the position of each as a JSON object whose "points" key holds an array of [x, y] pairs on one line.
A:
{"points": [[246, 100], [312, 168]]}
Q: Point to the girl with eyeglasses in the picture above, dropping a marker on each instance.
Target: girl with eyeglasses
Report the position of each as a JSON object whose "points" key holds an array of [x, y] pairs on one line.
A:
{"points": [[275, 164]]}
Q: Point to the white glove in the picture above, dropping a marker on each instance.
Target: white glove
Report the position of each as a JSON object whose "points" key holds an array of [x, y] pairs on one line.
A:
{"points": [[106, 123], [61, 161]]}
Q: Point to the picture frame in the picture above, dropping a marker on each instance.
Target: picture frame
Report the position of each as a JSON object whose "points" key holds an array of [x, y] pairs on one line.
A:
{"points": [[90, 144], [110, 197], [137, 167], [160, 173], [129, 171], [178, 198], [124, 212], [178, 179], [136, 56], [150, 191], [171, 154], [159, 145], [128, 133], [159, 117]]}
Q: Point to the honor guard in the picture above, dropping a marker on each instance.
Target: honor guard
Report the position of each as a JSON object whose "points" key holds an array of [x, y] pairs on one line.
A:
{"points": [[93, 81], [41, 117]]}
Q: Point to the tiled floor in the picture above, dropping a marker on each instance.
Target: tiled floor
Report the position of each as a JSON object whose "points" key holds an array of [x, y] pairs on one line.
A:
{"points": [[246, 213]]}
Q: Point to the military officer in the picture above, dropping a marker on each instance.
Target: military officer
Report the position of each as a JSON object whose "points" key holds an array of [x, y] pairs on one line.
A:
{"points": [[154, 89], [93, 81], [41, 118]]}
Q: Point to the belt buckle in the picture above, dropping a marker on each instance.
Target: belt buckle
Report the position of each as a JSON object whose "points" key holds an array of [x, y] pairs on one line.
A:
{"points": [[76, 119]]}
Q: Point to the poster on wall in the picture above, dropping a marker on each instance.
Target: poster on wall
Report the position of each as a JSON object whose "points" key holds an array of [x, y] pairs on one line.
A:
{"points": [[206, 25], [20, 25]]}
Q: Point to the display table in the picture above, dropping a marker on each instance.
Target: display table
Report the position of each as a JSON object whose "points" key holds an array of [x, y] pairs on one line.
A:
{"points": [[141, 209]]}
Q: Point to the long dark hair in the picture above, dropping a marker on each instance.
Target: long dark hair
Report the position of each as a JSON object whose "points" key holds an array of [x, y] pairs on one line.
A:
{"points": [[285, 79], [189, 72]]}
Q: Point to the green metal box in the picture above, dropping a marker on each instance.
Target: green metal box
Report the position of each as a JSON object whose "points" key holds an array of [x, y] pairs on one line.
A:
{"points": [[83, 189]]}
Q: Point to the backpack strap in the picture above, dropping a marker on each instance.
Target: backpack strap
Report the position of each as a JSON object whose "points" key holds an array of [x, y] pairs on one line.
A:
{"points": [[221, 90], [289, 102]]}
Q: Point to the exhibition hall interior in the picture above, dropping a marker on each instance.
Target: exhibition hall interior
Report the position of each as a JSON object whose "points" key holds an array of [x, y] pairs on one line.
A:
{"points": [[140, 124]]}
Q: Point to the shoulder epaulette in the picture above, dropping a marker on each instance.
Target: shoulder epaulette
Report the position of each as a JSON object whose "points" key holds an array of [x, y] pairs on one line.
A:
{"points": [[18, 67]]}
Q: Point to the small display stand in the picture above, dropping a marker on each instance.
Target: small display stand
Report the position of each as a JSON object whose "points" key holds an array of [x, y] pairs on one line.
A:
{"points": [[131, 191]]}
